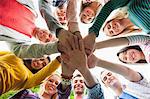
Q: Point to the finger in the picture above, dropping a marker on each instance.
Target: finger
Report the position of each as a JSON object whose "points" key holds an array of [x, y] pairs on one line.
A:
{"points": [[81, 45], [77, 33], [76, 41]]}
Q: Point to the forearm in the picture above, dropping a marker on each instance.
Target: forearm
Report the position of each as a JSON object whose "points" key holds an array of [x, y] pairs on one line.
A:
{"points": [[34, 50], [88, 77], [128, 73], [72, 15], [112, 43]]}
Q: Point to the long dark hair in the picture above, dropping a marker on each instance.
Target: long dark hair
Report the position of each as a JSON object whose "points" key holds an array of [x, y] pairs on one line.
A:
{"points": [[131, 47]]}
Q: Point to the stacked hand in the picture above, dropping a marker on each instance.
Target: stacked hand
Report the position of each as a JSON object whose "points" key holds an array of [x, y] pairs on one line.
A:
{"points": [[73, 51]]}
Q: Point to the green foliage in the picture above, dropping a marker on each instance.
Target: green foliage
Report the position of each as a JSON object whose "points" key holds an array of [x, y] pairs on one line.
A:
{"points": [[7, 95]]}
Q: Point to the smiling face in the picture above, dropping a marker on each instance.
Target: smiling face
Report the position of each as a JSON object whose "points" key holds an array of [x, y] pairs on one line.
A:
{"points": [[78, 85], [130, 56], [43, 35], [114, 27], [87, 15], [50, 85], [39, 63], [110, 80]]}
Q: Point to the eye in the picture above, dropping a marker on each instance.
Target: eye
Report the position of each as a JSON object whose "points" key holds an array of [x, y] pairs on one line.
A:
{"points": [[81, 81], [109, 74], [75, 81], [50, 80], [56, 83], [111, 32], [44, 64], [105, 78], [108, 26]]}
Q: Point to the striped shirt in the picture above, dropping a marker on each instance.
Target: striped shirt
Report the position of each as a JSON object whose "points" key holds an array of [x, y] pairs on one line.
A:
{"points": [[143, 42], [136, 9]]}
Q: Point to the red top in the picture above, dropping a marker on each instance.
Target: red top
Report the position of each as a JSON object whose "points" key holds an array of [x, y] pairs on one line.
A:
{"points": [[16, 16]]}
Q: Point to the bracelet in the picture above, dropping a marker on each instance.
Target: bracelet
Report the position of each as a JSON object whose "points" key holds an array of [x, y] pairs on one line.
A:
{"points": [[65, 81], [66, 77]]}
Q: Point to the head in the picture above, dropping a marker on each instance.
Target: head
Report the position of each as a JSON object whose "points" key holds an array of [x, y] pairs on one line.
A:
{"points": [[43, 35], [61, 15], [110, 80], [49, 85], [114, 27], [87, 14], [131, 54], [36, 64], [78, 84]]}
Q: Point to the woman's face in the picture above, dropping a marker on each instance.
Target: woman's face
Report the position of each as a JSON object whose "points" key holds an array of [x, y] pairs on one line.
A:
{"points": [[87, 15], [114, 27], [39, 63], [50, 85], [130, 56], [110, 80]]}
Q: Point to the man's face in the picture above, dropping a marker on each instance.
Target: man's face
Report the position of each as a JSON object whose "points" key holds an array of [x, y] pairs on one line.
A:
{"points": [[78, 85]]}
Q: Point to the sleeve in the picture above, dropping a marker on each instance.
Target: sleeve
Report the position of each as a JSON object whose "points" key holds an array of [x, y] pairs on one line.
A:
{"points": [[104, 13], [46, 13], [35, 79], [95, 92], [4, 53], [33, 51], [138, 39], [63, 94]]}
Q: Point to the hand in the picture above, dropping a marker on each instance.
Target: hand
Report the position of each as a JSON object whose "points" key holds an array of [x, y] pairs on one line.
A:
{"points": [[63, 36], [89, 43], [76, 57], [92, 61]]}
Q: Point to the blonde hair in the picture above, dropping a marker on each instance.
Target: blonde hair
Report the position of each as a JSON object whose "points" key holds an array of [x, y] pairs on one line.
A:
{"points": [[120, 13]]}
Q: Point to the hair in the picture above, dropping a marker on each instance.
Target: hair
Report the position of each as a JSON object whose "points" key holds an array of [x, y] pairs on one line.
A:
{"points": [[77, 75], [120, 13], [136, 47], [41, 91], [27, 63], [101, 77]]}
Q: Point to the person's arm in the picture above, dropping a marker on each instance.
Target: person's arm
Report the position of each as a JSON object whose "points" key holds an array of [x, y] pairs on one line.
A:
{"points": [[64, 88], [104, 13], [35, 79], [34, 50], [72, 15], [46, 13], [128, 73], [112, 43]]}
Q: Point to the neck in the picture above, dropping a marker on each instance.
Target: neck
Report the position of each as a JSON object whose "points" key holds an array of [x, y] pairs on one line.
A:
{"points": [[79, 96], [126, 22], [118, 91], [46, 96]]}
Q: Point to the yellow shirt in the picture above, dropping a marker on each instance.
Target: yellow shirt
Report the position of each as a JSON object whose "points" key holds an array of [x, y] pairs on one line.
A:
{"points": [[14, 75]]}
